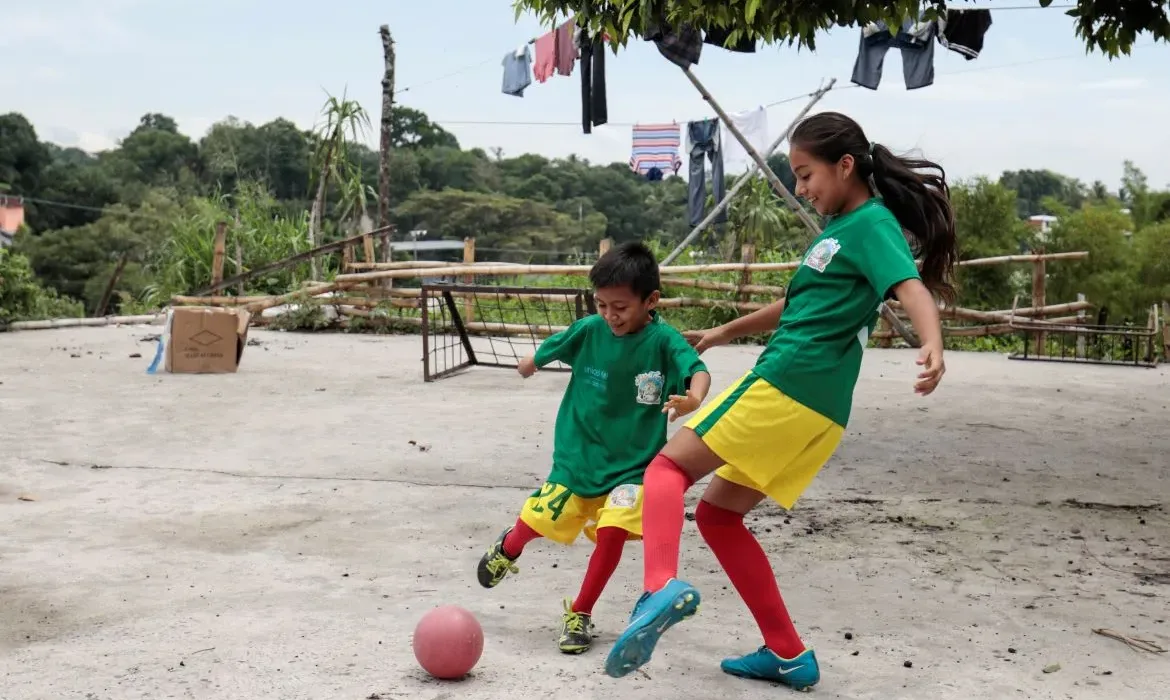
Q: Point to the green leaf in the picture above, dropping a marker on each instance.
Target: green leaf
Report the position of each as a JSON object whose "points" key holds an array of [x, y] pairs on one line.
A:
{"points": [[749, 13]]}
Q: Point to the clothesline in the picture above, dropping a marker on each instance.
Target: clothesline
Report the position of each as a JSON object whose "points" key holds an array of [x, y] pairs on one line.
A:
{"points": [[769, 105], [532, 41]]}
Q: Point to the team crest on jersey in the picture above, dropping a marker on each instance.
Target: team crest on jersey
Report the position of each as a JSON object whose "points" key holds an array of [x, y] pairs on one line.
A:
{"points": [[649, 385], [822, 254], [624, 496]]}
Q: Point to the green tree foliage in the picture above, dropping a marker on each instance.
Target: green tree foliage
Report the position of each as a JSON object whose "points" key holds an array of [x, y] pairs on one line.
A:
{"points": [[1107, 26], [156, 199], [987, 226], [22, 297]]}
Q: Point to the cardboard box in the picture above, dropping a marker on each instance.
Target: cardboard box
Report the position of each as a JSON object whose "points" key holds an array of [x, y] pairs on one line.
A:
{"points": [[204, 339]]}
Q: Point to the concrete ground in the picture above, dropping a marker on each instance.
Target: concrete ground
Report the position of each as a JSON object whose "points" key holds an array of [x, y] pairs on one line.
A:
{"points": [[277, 533]]}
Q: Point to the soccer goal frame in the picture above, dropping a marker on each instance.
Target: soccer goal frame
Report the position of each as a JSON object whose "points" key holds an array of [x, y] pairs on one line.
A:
{"points": [[453, 315]]}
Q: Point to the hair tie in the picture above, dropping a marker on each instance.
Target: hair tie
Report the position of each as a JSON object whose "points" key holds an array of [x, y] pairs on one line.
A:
{"points": [[872, 145]]}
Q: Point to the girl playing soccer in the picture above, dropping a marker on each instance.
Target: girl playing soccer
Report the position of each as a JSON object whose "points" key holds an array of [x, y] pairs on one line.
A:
{"points": [[769, 433]]}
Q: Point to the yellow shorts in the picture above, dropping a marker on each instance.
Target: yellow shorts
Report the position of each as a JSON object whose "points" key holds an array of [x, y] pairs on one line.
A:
{"points": [[560, 515], [771, 443]]}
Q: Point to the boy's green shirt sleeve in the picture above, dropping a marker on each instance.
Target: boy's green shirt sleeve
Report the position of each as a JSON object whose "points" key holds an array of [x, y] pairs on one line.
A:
{"points": [[686, 360], [563, 346]]}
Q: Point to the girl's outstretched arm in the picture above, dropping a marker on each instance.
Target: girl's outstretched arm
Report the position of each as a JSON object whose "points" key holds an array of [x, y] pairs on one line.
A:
{"points": [[920, 306]]}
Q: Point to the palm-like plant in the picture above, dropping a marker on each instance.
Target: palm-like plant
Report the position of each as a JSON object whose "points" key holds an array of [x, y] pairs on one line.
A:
{"points": [[344, 123], [759, 217]]}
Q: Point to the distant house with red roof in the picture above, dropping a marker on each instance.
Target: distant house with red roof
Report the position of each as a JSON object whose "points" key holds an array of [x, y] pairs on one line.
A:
{"points": [[11, 217]]}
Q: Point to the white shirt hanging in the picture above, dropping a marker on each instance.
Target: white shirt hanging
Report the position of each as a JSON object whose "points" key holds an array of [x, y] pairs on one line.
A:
{"points": [[753, 124]]}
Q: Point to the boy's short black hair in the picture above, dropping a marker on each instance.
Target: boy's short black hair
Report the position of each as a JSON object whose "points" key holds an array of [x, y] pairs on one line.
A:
{"points": [[629, 264]]}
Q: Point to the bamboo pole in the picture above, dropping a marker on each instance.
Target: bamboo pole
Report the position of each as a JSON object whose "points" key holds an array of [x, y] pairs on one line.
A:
{"points": [[218, 252], [77, 322], [1001, 316], [1039, 276], [765, 289], [976, 331], [493, 269]]}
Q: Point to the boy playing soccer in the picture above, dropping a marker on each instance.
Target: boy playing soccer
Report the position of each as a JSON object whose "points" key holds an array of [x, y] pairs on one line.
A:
{"points": [[611, 422]]}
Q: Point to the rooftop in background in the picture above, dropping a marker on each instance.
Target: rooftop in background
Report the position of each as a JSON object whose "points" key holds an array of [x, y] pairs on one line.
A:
{"points": [[11, 217]]}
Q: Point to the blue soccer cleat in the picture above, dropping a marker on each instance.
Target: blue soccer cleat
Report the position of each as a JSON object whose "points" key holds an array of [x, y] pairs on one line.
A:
{"points": [[765, 665], [653, 614]]}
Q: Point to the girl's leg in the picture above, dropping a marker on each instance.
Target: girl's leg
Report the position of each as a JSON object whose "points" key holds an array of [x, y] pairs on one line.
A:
{"points": [[666, 600], [784, 658], [683, 460], [720, 521]]}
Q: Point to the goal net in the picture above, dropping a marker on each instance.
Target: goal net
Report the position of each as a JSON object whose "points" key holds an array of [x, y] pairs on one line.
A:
{"points": [[464, 325]]}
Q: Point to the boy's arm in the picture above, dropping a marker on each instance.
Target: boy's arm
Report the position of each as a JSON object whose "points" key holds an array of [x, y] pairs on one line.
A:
{"points": [[690, 367], [562, 347]]}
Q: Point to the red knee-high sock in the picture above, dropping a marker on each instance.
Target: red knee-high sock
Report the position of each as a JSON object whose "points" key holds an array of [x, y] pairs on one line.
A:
{"points": [[746, 564], [518, 536], [662, 520], [602, 563]]}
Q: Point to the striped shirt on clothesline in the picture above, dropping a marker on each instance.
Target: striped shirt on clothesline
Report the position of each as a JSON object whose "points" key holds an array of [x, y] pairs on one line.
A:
{"points": [[655, 146]]}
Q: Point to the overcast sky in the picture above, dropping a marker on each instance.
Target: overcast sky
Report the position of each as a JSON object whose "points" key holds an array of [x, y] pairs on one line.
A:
{"points": [[84, 71]]}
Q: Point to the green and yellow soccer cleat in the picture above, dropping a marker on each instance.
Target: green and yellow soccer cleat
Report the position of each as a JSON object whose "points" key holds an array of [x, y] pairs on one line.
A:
{"points": [[576, 631], [495, 564]]}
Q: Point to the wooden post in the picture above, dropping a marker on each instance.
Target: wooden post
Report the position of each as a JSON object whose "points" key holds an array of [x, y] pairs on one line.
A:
{"points": [[104, 304], [368, 248], [604, 246], [468, 259], [1166, 331], [1080, 335], [748, 256], [218, 252], [386, 124], [387, 256], [239, 262], [1039, 276], [346, 258]]}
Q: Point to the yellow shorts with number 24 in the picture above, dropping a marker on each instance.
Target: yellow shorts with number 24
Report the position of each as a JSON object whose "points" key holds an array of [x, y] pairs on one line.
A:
{"points": [[560, 515]]}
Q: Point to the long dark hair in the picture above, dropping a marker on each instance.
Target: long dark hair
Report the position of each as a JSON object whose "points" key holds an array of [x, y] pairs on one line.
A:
{"points": [[917, 197]]}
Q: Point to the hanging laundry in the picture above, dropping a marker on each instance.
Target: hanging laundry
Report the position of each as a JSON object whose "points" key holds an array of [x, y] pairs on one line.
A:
{"points": [[655, 146], [594, 109], [681, 46], [703, 140], [914, 39], [566, 50], [963, 30], [517, 71], [753, 124], [546, 56], [719, 37]]}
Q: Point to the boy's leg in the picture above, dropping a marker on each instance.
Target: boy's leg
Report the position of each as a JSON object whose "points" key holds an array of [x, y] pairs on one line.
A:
{"points": [[552, 511], [577, 622], [500, 558], [783, 658]]}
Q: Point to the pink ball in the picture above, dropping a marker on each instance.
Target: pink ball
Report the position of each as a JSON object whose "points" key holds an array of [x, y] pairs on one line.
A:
{"points": [[448, 642]]}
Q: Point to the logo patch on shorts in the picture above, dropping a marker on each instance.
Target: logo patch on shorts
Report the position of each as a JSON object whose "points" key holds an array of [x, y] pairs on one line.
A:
{"points": [[649, 385], [822, 254], [624, 496]]}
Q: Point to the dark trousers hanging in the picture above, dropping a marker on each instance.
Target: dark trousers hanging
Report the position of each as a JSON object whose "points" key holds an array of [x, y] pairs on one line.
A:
{"points": [[704, 139], [594, 111]]}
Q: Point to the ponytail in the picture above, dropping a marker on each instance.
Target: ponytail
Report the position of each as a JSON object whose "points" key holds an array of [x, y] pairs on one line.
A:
{"points": [[915, 191]]}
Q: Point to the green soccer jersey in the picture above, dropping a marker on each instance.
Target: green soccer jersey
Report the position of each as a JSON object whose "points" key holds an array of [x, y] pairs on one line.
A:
{"points": [[814, 356], [610, 423]]}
